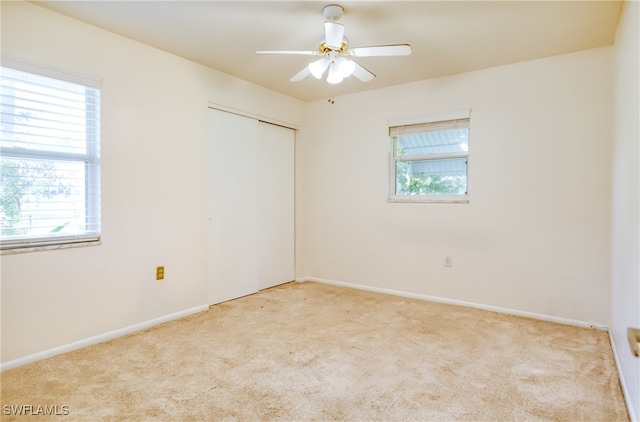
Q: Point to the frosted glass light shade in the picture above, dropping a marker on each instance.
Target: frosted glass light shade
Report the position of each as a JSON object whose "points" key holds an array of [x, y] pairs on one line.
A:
{"points": [[334, 75], [318, 67], [345, 67]]}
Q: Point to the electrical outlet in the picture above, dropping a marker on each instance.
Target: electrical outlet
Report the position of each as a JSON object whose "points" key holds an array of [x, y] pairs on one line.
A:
{"points": [[160, 273], [448, 261]]}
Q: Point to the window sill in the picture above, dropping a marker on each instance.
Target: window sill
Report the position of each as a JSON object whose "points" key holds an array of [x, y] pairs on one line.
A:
{"points": [[430, 199], [28, 249]]}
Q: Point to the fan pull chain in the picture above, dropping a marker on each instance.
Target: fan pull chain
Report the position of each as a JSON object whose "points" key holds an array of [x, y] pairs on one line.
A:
{"points": [[331, 100]]}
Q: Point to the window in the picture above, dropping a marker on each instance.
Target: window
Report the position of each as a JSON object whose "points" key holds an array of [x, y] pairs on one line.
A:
{"points": [[49, 159], [429, 159]]}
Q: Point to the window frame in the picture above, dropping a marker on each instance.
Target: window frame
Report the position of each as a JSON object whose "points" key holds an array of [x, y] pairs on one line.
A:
{"points": [[92, 172], [394, 158]]}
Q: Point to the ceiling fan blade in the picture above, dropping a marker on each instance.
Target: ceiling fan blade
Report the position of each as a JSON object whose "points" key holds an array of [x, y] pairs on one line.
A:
{"points": [[333, 34], [381, 50], [287, 53], [301, 75], [363, 74]]}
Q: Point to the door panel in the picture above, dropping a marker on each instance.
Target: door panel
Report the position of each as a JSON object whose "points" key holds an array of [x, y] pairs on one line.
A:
{"points": [[276, 209], [231, 173]]}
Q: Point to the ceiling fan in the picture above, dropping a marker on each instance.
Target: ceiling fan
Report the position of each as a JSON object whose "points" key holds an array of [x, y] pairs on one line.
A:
{"points": [[335, 54]]}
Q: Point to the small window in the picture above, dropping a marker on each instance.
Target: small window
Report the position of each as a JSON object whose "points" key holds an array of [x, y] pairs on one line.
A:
{"points": [[429, 160], [50, 161]]}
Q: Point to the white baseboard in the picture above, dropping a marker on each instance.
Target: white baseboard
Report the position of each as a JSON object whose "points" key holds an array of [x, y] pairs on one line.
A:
{"points": [[99, 338], [508, 311], [623, 384]]}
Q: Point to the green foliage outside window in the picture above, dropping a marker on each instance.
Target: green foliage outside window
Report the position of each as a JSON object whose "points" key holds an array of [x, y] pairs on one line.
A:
{"points": [[425, 184], [22, 181]]}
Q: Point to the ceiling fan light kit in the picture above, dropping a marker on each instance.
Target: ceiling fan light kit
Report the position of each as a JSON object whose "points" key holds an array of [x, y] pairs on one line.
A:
{"points": [[336, 56], [339, 68]]}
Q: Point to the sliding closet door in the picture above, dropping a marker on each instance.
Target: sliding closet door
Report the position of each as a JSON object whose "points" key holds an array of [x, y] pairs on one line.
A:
{"points": [[276, 209], [232, 173], [250, 176]]}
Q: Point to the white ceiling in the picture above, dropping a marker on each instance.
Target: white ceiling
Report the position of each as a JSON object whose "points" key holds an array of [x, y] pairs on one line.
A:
{"points": [[447, 37]]}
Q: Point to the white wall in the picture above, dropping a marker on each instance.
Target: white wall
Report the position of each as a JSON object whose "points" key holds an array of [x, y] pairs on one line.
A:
{"points": [[535, 235], [625, 251], [154, 111]]}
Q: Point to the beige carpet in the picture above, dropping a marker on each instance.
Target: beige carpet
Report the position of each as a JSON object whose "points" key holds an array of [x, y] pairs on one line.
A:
{"points": [[307, 351]]}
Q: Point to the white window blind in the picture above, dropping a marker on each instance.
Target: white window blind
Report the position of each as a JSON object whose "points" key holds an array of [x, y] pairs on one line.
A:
{"points": [[50, 160], [428, 127]]}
